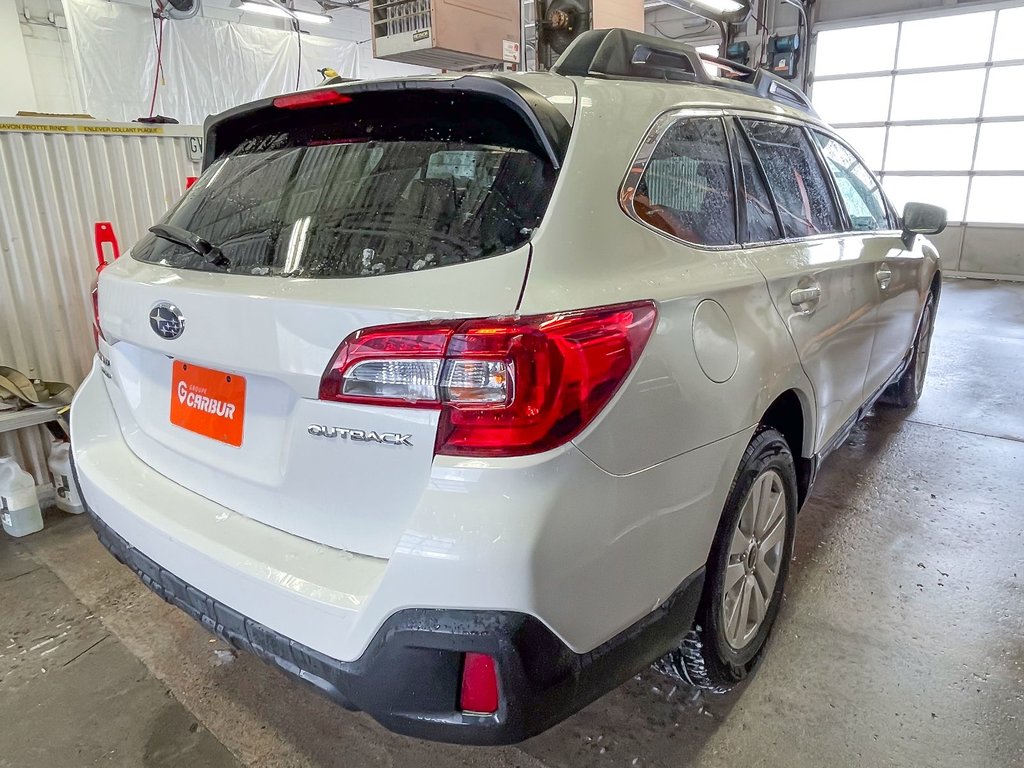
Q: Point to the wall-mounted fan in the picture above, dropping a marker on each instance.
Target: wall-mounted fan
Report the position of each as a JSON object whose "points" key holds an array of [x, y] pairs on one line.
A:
{"points": [[179, 9], [559, 22]]}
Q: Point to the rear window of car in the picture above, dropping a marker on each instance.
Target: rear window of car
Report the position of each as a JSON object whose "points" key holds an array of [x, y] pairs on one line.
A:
{"points": [[354, 191]]}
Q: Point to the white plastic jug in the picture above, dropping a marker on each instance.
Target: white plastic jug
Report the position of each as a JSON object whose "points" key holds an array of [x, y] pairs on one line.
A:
{"points": [[19, 507], [60, 467]]}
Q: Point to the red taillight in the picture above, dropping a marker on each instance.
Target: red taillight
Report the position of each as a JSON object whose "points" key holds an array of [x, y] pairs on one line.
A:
{"points": [[479, 695], [309, 99], [505, 386], [389, 365]]}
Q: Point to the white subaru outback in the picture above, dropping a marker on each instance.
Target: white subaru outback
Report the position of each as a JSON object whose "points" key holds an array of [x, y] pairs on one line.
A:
{"points": [[464, 398]]}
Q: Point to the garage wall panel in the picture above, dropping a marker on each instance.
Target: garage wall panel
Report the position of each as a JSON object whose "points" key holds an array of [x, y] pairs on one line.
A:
{"points": [[57, 180], [997, 251]]}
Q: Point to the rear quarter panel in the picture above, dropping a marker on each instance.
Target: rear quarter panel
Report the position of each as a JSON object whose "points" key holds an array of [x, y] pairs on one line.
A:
{"points": [[589, 253]]}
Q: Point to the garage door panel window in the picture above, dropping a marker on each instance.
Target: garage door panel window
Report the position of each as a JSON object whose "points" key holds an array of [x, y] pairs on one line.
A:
{"points": [[997, 200], [1005, 95], [796, 179], [962, 38], [1001, 147], [858, 189], [687, 187], [926, 147], [864, 100], [856, 49], [938, 95], [949, 192], [1009, 34], [949, 133]]}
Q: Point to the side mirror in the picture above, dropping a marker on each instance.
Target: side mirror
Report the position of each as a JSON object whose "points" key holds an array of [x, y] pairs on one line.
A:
{"points": [[922, 219]]}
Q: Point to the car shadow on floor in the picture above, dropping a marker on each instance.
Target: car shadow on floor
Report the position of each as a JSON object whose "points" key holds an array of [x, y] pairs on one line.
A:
{"points": [[827, 508]]}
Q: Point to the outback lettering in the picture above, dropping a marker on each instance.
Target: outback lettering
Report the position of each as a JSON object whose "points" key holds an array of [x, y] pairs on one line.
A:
{"points": [[359, 435]]}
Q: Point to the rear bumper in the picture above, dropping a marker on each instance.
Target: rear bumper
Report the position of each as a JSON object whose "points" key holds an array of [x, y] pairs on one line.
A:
{"points": [[547, 563], [408, 678]]}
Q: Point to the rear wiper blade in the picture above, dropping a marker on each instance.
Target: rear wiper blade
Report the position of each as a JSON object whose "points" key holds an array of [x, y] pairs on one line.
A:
{"points": [[198, 245]]}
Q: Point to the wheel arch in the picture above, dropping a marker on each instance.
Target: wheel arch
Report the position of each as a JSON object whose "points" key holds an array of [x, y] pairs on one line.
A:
{"points": [[791, 414]]}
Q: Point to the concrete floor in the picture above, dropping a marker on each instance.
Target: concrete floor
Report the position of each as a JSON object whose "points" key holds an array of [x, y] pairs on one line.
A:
{"points": [[900, 643]]}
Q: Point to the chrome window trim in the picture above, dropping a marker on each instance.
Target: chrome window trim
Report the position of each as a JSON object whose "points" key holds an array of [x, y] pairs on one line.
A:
{"points": [[740, 138], [661, 125]]}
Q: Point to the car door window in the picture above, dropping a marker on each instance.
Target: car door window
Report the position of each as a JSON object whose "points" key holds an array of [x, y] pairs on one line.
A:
{"points": [[687, 187], [857, 187], [796, 178], [762, 226]]}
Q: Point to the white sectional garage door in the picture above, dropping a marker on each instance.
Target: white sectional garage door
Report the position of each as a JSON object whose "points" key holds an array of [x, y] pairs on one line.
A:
{"points": [[936, 106]]}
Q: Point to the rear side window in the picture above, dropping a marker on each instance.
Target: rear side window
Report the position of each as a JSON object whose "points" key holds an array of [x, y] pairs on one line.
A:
{"points": [[857, 187], [356, 191], [762, 226], [687, 187], [795, 177]]}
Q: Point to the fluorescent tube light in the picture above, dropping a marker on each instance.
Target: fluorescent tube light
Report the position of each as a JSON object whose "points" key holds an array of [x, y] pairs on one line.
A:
{"points": [[250, 6], [720, 6], [717, 10]]}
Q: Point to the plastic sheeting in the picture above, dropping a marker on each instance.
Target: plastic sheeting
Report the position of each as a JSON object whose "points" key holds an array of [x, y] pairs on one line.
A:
{"points": [[209, 65]]}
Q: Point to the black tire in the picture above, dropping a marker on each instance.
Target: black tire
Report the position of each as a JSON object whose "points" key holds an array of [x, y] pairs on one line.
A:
{"points": [[705, 659], [907, 391]]}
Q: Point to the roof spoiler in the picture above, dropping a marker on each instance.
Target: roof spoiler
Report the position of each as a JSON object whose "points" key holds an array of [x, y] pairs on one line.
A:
{"points": [[549, 127], [623, 54]]}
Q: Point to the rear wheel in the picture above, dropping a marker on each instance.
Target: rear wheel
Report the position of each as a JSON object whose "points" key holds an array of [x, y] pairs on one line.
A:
{"points": [[746, 571], [905, 392]]}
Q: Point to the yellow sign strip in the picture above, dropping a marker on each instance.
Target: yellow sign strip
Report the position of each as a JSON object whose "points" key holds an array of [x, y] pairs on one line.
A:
{"points": [[131, 130]]}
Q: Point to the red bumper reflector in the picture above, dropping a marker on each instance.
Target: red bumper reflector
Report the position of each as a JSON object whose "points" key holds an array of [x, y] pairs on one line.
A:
{"points": [[479, 685], [311, 99]]}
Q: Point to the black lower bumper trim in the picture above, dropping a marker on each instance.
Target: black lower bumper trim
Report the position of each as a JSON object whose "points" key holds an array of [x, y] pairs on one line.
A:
{"points": [[408, 678]]}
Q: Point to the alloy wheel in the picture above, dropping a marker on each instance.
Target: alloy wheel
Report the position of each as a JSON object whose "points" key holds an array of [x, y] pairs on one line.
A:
{"points": [[755, 559]]}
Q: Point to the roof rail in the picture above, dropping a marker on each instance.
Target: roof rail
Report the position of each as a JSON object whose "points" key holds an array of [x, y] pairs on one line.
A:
{"points": [[773, 87], [627, 55], [621, 53], [741, 72]]}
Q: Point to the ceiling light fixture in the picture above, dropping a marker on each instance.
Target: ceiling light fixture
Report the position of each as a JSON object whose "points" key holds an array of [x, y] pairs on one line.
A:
{"points": [[720, 6], [717, 10], [250, 6]]}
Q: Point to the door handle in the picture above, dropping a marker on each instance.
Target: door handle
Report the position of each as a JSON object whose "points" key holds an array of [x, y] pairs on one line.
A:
{"points": [[805, 299], [884, 276]]}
